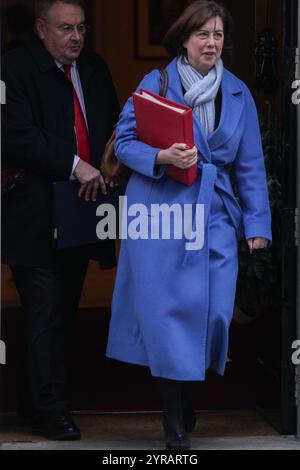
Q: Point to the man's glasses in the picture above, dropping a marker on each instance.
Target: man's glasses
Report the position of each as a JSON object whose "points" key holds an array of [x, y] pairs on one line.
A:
{"points": [[68, 29]]}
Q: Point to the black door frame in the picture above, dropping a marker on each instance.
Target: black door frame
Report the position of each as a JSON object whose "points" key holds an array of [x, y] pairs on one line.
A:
{"points": [[289, 254], [298, 225]]}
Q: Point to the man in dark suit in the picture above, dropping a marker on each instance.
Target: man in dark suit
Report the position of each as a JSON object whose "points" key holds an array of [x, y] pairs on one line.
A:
{"points": [[60, 111]]}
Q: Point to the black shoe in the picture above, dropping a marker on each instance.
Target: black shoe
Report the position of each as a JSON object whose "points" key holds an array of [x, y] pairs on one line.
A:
{"points": [[173, 419], [61, 427], [176, 439]]}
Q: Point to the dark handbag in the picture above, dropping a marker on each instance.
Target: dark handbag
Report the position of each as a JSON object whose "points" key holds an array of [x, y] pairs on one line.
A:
{"points": [[110, 166]]}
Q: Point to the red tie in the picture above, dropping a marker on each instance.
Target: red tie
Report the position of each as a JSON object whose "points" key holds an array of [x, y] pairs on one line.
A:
{"points": [[82, 136]]}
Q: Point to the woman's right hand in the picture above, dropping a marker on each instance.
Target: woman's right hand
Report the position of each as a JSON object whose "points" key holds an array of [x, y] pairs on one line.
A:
{"points": [[178, 155]]}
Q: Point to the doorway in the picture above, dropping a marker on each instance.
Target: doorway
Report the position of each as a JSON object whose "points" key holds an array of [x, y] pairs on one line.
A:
{"points": [[260, 373]]}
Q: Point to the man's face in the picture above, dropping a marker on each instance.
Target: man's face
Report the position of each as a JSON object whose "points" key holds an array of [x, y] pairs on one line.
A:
{"points": [[62, 31]]}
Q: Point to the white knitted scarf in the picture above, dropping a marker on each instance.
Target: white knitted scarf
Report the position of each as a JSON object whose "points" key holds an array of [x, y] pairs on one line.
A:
{"points": [[201, 91]]}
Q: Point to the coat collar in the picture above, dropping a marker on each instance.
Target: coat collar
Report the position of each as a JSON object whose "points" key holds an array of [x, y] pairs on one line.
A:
{"points": [[46, 62], [232, 105], [86, 65], [41, 56], [231, 110]]}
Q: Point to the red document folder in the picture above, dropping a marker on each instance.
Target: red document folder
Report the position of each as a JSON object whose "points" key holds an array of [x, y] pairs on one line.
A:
{"points": [[162, 123]]}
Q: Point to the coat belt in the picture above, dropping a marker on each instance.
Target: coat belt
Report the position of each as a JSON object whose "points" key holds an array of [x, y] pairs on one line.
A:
{"points": [[205, 194]]}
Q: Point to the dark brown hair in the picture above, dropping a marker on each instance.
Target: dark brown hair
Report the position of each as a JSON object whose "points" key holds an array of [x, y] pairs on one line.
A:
{"points": [[191, 20]]}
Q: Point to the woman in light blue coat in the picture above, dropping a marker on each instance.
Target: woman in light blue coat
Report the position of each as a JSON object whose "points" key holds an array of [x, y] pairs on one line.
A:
{"points": [[172, 307]]}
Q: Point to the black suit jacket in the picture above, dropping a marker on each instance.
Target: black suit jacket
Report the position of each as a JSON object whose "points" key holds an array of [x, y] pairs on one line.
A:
{"points": [[38, 136]]}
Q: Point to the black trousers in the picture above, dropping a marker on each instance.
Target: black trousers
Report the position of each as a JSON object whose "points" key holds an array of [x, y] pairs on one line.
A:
{"points": [[50, 297]]}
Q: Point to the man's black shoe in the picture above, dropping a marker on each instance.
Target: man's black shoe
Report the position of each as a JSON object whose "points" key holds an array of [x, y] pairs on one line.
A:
{"points": [[61, 427]]}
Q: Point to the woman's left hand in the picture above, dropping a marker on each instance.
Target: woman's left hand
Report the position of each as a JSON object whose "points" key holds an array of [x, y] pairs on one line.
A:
{"points": [[257, 243]]}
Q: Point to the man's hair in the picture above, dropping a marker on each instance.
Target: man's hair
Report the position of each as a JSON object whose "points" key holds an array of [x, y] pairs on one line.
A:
{"points": [[42, 7]]}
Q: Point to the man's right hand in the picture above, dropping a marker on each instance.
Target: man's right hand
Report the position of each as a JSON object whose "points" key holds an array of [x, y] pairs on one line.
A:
{"points": [[91, 181]]}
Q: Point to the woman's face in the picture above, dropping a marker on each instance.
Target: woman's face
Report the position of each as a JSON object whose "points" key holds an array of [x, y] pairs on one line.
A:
{"points": [[205, 46]]}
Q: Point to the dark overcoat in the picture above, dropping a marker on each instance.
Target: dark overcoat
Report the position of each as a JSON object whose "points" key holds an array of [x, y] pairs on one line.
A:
{"points": [[38, 136]]}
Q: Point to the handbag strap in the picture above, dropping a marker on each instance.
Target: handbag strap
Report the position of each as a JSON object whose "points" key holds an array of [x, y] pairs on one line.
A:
{"points": [[164, 82]]}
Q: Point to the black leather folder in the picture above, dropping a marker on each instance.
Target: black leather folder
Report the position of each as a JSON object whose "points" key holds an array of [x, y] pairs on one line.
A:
{"points": [[75, 219]]}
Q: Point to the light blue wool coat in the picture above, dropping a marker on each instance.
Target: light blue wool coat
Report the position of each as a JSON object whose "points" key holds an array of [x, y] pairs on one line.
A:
{"points": [[172, 308]]}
